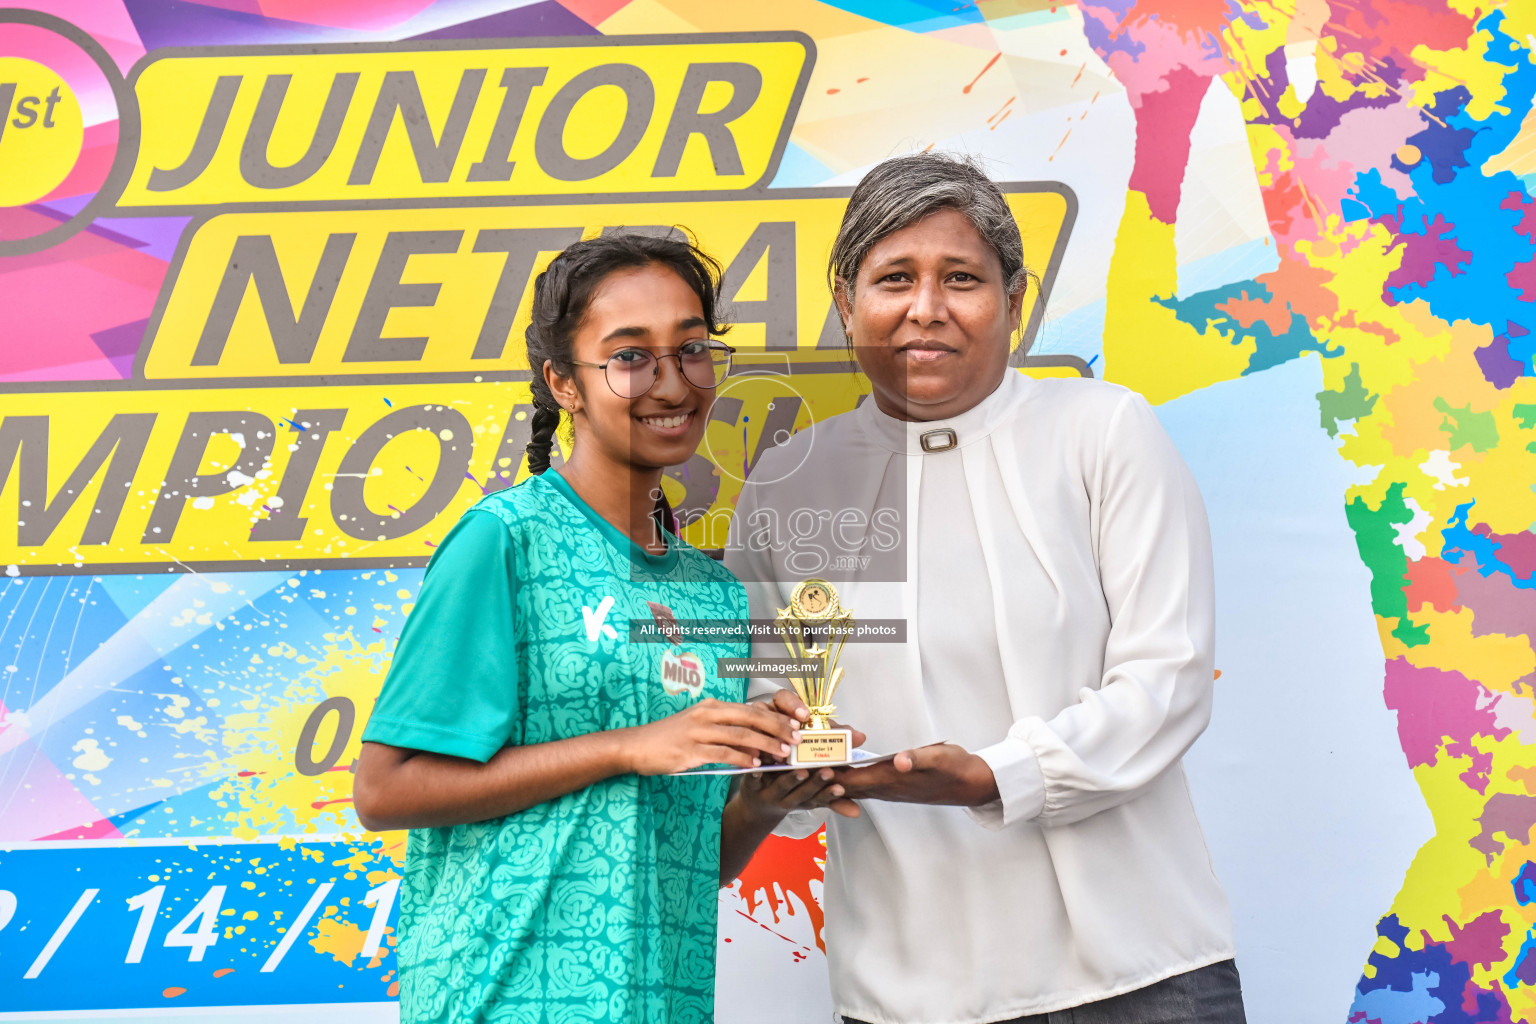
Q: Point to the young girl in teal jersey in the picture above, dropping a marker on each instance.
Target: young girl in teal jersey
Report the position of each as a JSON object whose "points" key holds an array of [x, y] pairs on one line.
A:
{"points": [[555, 871]]}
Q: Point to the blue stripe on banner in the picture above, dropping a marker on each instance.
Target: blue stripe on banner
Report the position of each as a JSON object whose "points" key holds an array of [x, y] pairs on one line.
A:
{"points": [[157, 927]]}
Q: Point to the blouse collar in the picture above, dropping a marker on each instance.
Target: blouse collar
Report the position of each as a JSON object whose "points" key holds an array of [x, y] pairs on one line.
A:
{"points": [[920, 437]]}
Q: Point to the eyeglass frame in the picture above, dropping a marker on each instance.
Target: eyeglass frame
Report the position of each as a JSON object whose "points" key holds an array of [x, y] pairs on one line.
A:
{"points": [[713, 343]]}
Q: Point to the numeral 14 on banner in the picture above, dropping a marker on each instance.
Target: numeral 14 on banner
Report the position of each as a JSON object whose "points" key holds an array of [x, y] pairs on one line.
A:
{"points": [[198, 929], [206, 911]]}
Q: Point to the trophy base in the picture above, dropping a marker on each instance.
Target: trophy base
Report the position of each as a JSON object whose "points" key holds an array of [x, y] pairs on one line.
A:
{"points": [[823, 746]]}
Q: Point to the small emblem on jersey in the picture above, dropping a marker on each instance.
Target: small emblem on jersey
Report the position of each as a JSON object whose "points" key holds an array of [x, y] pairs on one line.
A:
{"points": [[596, 621], [666, 622], [682, 672]]}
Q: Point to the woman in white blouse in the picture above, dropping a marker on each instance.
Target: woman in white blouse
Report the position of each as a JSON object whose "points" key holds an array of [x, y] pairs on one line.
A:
{"points": [[1033, 854]]}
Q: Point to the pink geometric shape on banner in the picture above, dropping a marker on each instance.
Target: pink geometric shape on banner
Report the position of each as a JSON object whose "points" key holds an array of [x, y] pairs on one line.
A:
{"points": [[594, 12], [107, 22], [102, 829], [43, 804], [49, 322], [21, 222], [368, 15], [90, 170]]}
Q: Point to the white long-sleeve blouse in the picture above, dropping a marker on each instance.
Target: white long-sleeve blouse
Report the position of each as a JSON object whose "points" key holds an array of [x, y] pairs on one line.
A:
{"points": [[1053, 569]]}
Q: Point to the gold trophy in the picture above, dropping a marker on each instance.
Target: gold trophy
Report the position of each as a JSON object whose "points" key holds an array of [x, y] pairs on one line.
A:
{"points": [[815, 625]]}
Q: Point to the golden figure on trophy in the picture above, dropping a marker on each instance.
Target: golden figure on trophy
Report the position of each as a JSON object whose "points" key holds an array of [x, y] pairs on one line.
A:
{"points": [[815, 626]]}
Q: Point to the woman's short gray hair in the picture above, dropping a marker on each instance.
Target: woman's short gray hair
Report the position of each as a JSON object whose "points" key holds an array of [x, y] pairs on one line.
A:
{"points": [[903, 190]]}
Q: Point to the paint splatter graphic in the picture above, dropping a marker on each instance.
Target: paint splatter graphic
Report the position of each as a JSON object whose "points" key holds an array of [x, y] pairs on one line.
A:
{"points": [[1395, 183], [779, 878]]}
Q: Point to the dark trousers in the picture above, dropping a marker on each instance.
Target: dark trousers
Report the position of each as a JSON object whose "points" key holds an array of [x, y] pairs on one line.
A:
{"points": [[1208, 995]]}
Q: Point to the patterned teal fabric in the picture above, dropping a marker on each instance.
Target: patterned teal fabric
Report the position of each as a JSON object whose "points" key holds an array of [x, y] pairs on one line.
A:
{"points": [[601, 905]]}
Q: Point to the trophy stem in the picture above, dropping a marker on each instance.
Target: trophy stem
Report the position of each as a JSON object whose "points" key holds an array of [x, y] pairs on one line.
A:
{"points": [[814, 628], [837, 677]]}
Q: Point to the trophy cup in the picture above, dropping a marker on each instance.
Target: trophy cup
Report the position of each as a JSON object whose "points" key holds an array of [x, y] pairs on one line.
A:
{"points": [[815, 625]]}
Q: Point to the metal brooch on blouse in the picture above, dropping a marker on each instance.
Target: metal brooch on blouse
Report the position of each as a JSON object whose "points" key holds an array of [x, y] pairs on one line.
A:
{"points": [[941, 440]]}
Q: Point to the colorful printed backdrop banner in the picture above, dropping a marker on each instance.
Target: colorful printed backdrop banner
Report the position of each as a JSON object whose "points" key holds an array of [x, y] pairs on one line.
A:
{"points": [[264, 271]]}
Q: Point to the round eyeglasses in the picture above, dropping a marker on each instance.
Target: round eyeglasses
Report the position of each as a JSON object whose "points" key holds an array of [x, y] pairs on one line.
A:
{"points": [[631, 372]]}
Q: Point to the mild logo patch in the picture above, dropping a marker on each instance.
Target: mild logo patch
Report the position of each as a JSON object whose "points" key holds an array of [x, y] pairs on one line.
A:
{"points": [[682, 672]]}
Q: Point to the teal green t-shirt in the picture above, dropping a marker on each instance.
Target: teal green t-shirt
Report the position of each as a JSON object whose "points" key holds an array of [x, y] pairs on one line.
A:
{"points": [[599, 905]]}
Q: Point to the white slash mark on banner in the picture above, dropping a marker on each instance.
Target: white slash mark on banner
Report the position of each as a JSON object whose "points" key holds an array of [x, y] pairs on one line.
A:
{"points": [[596, 627], [60, 933], [297, 928]]}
